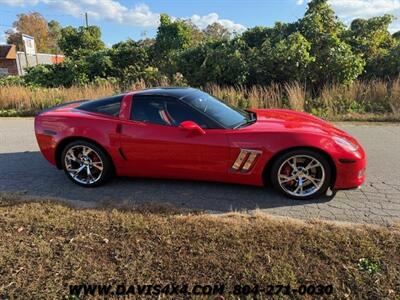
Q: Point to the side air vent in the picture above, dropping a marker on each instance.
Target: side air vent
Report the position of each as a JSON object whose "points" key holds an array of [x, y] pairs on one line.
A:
{"points": [[245, 160]]}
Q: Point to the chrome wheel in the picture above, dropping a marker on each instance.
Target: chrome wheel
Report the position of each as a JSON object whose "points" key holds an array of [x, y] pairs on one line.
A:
{"points": [[301, 175], [83, 164]]}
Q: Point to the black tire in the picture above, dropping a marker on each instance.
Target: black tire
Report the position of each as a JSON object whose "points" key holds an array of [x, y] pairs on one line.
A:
{"points": [[280, 161], [107, 168]]}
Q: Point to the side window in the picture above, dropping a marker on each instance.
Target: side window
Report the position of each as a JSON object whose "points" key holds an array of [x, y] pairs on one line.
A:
{"points": [[166, 111], [180, 112], [148, 109], [107, 106]]}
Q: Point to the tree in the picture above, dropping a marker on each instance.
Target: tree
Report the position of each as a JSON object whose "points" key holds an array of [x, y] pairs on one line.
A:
{"points": [[287, 60], [215, 62], [65, 74], [334, 59], [130, 60], [99, 64], [281, 31], [291, 58], [255, 37], [390, 64], [372, 40], [172, 37], [317, 49], [33, 24], [80, 41], [216, 32], [54, 35]]}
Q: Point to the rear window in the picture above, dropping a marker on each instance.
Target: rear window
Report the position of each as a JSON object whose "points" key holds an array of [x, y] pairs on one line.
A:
{"points": [[107, 106]]}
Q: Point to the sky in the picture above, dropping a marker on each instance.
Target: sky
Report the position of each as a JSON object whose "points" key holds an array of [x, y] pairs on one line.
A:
{"points": [[122, 19]]}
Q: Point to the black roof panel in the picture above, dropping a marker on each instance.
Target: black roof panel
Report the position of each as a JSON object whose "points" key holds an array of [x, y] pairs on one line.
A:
{"points": [[176, 92]]}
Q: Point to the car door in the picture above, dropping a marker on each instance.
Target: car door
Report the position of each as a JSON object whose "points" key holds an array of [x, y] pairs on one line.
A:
{"points": [[154, 145]]}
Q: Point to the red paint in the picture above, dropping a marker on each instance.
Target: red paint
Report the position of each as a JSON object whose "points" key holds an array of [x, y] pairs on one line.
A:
{"points": [[185, 152]]}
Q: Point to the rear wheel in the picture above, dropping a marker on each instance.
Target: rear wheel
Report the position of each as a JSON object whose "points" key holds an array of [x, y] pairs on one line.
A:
{"points": [[301, 174], [86, 164]]}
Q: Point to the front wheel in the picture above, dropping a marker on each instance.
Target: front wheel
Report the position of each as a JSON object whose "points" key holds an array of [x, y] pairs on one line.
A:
{"points": [[301, 174], [86, 164]]}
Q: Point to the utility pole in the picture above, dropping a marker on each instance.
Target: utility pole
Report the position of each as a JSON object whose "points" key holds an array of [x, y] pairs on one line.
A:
{"points": [[86, 18]]}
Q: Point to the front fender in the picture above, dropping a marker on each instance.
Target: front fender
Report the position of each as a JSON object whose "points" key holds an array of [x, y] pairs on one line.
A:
{"points": [[272, 144]]}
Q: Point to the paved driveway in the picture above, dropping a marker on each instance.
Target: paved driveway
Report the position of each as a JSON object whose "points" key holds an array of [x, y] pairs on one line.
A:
{"points": [[23, 169]]}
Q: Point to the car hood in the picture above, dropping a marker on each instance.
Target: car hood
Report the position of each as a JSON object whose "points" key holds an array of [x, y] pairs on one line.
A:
{"points": [[284, 119]]}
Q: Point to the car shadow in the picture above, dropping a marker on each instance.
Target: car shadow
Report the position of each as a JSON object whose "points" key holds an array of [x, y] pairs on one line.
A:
{"points": [[29, 173]]}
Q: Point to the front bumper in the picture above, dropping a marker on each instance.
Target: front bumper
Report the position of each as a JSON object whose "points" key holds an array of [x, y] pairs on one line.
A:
{"points": [[350, 174]]}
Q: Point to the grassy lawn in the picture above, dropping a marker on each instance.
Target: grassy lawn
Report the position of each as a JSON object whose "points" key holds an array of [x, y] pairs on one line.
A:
{"points": [[45, 246]]}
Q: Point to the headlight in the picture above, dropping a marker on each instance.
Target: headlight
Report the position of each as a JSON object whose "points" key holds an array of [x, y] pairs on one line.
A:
{"points": [[345, 144]]}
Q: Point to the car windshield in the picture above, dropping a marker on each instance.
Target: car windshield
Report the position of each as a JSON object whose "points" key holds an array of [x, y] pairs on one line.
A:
{"points": [[227, 116]]}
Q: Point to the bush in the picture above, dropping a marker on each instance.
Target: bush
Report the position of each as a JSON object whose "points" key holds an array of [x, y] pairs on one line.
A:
{"points": [[11, 80], [65, 74]]}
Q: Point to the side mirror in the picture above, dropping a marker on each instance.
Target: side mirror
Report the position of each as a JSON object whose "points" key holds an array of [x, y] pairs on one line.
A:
{"points": [[192, 127]]}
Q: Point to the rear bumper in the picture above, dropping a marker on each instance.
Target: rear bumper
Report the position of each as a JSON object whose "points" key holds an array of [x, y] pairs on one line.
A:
{"points": [[46, 141], [47, 146]]}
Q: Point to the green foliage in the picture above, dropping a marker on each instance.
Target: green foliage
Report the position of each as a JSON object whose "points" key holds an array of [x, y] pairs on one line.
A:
{"points": [[255, 37], [11, 80], [98, 64], [372, 40], [368, 265], [54, 36], [65, 74], [287, 60], [292, 57], [172, 35], [340, 65], [42, 75], [370, 37], [390, 64], [9, 113], [75, 41], [217, 32], [316, 50], [129, 61], [319, 22], [217, 62], [334, 59], [172, 38]]}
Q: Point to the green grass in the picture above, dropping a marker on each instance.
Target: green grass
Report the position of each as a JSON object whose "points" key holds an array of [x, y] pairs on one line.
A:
{"points": [[17, 113], [45, 246]]}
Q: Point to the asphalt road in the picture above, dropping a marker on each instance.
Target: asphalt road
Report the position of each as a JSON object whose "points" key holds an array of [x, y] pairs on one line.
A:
{"points": [[23, 169]]}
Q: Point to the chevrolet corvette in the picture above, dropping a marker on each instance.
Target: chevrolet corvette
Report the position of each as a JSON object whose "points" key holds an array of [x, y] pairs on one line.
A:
{"points": [[184, 133]]}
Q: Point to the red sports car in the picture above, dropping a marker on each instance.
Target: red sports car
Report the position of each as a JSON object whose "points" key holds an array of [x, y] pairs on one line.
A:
{"points": [[185, 133]]}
